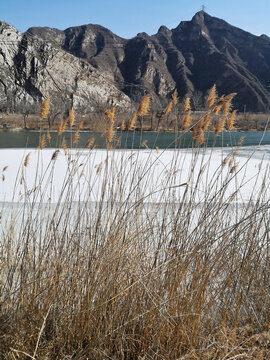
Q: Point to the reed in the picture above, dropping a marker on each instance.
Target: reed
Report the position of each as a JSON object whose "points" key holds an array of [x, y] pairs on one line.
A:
{"points": [[187, 120], [144, 105], [64, 144], [200, 138], [42, 142], [218, 105], [110, 114], [227, 105], [168, 108], [61, 127], [45, 108], [111, 131], [55, 155], [123, 126], [175, 97], [71, 117], [26, 159], [141, 255], [187, 104], [48, 136], [132, 121], [90, 142], [206, 120], [220, 125], [76, 137], [231, 120], [212, 97]]}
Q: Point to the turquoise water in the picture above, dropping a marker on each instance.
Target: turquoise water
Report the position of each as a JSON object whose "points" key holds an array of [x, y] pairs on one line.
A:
{"points": [[128, 140]]}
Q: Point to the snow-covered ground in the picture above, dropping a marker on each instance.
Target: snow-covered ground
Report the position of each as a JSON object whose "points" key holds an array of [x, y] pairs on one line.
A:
{"points": [[82, 173]]}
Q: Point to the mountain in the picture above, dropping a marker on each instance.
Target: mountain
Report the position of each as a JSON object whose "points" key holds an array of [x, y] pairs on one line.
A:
{"points": [[31, 69], [192, 57]]}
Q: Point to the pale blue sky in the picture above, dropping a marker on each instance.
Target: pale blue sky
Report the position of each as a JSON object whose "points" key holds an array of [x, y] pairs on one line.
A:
{"points": [[126, 17]]}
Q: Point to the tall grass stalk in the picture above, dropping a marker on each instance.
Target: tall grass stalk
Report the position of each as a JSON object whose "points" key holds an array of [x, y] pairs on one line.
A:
{"points": [[135, 258]]}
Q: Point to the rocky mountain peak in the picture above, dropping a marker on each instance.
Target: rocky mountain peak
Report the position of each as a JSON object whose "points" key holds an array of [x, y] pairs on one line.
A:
{"points": [[8, 32], [199, 17], [164, 30]]}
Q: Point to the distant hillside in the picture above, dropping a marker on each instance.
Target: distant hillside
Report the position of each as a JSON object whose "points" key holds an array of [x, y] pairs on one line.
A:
{"points": [[95, 63], [31, 68]]}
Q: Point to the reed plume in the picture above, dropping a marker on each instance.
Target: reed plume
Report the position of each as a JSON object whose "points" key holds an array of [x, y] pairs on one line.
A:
{"points": [[226, 108], [132, 121], [206, 121], [197, 130], [64, 144], [227, 104], [45, 108], [200, 139], [187, 120], [55, 155], [231, 120], [117, 143], [90, 142], [144, 106], [42, 142], [123, 126], [240, 142], [194, 133], [212, 96], [229, 97], [175, 97], [187, 104], [49, 136], [144, 144], [26, 160], [111, 132], [217, 109], [80, 126], [71, 117], [168, 108], [61, 127], [76, 137], [220, 125], [110, 113], [219, 105]]}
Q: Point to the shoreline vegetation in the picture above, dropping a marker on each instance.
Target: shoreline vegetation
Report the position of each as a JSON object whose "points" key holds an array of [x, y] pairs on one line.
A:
{"points": [[95, 122], [172, 118], [136, 255]]}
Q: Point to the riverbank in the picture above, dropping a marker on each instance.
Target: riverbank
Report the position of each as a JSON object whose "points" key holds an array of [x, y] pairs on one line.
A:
{"points": [[97, 122]]}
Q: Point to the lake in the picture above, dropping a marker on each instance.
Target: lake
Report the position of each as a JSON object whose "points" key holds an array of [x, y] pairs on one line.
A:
{"points": [[129, 140]]}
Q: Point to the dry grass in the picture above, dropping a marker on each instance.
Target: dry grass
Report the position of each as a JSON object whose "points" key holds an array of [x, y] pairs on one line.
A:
{"points": [[45, 108], [144, 106], [136, 275], [71, 117]]}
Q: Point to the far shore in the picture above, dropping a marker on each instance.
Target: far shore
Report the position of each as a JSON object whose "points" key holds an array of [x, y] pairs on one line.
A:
{"points": [[97, 122], [137, 130]]}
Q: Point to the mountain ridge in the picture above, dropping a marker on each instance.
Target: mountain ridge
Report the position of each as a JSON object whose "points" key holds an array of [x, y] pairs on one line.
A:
{"points": [[191, 58]]}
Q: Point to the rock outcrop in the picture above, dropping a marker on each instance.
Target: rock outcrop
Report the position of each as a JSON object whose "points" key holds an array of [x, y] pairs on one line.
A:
{"points": [[31, 69]]}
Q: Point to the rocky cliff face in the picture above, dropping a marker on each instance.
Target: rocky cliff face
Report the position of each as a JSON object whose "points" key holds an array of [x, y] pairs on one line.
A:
{"points": [[32, 68], [93, 62]]}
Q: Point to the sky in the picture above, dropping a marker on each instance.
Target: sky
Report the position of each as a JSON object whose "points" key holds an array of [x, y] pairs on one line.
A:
{"points": [[126, 18]]}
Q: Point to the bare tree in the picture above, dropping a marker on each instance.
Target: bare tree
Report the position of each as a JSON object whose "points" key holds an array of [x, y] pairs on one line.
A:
{"points": [[197, 100]]}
